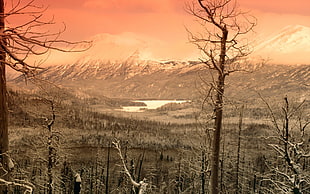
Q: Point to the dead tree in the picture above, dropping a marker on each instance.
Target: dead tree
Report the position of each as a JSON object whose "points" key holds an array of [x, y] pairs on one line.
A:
{"points": [[51, 147], [108, 169], [142, 185], [290, 125], [238, 150], [18, 44], [4, 140], [224, 51]]}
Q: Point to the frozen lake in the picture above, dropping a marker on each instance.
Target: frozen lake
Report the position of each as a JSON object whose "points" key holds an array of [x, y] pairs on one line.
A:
{"points": [[150, 104]]}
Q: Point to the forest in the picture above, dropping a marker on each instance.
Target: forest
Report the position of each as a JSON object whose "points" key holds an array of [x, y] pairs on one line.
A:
{"points": [[172, 157]]}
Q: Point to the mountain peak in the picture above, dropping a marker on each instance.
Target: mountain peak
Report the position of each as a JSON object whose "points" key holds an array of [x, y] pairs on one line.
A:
{"points": [[296, 28], [290, 46], [296, 33]]}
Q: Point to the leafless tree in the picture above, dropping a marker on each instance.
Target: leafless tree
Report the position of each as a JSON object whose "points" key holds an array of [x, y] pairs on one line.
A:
{"points": [[291, 124], [224, 51], [142, 185], [47, 146], [19, 43], [51, 147], [238, 150]]}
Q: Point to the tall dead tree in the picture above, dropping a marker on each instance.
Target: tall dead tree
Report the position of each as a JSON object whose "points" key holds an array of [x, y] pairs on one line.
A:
{"points": [[238, 150], [19, 43], [224, 51], [51, 148], [4, 141]]}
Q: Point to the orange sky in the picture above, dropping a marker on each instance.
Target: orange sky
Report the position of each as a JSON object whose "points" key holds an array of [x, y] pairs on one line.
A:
{"points": [[162, 19]]}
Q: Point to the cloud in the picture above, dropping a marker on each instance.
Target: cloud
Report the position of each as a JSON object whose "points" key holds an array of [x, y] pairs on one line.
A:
{"points": [[119, 47]]}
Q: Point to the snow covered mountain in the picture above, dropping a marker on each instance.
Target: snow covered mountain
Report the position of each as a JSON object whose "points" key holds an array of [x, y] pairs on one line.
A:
{"points": [[143, 79], [131, 78], [290, 46], [126, 70]]}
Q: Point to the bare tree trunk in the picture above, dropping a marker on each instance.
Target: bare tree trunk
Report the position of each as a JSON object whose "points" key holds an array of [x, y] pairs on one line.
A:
{"points": [[50, 166], [218, 116], [108, 168], [215, 45], [222, 162], [238, 151], [141, 159], [4, 137], [203, 169], [51, 151]]}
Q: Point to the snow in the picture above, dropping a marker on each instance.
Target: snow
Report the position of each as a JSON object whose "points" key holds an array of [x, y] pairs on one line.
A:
{"points": [[290, 46]]}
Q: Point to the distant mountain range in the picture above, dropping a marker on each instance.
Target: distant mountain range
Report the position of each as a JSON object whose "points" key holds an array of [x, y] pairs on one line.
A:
{"points": [[134, 79], [130, 79], [137, 77]]}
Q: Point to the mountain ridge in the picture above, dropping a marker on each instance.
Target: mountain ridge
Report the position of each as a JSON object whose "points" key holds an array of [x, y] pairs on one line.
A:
{"points": [[139, 79], [290, 46]]}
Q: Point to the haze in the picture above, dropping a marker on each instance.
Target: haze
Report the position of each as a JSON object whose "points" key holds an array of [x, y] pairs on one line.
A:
{"points": [[158, 27]]}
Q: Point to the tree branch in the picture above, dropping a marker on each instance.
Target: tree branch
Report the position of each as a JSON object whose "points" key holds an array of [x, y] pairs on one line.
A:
{"points": [[141, 185], [31, 38], [26, 185]]}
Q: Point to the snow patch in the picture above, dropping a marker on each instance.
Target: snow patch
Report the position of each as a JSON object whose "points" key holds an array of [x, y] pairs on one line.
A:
{"points": [[290, 46]]}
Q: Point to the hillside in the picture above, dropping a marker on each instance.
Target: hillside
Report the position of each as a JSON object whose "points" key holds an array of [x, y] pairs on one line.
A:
{"points": [[272, 81], [136, 79], [130, 79]]}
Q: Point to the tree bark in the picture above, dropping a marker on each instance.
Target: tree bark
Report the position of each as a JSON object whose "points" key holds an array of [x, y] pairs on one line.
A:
{"points": [[218, 115], [4, 138], [203, 175], [238, 151], [108, 169], [51, 150], [50, 165]]}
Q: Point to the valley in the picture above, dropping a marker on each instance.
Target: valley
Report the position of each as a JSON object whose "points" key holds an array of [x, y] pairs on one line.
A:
{"points": [[166, 143], [84, 106]]}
